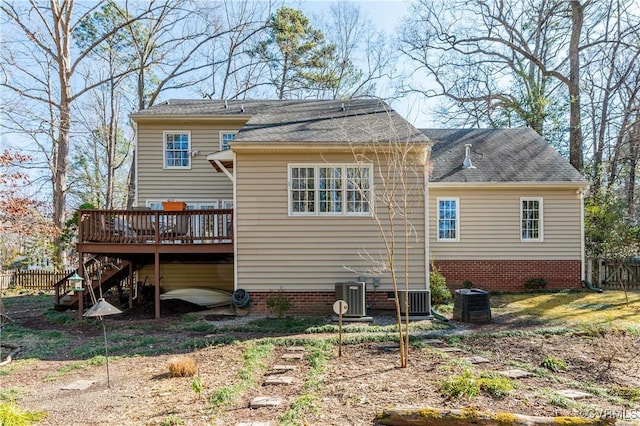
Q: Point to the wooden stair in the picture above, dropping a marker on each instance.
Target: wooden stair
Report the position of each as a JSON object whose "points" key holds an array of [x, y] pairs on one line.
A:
{"points": [[106, 273]]}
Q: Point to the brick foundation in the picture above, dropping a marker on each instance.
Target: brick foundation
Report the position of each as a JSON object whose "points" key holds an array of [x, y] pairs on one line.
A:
{"points": [[315, 302], [510, 275]]}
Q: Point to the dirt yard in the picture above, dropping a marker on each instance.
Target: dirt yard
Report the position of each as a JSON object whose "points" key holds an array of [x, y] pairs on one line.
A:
{"points": [[346, 390]]}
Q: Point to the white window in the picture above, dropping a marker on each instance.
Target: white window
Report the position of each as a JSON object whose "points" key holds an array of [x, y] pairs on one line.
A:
{"points": [[448, 219], [225, 138], [531, 219], [336, 189], [177, 150]]}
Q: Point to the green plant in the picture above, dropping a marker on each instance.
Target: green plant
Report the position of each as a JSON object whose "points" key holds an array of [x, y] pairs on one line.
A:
{"points": [[464, 384], [197, 385], [173, 421], [467, 284], [12, 415], [535, 284], [279, 303], [628, 394], [553, 364], [495, 385], [440, 294]]}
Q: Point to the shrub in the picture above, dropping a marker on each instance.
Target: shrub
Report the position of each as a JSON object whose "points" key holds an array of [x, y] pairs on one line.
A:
{"points": [[497, 387], [467, 284], [183, 366], [554, 364], [279, 303], [440, 294], [462, 385], [535, 284]]}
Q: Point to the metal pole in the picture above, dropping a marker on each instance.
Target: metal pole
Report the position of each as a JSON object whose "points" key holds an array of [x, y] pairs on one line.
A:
{"points": [[106, 351]]}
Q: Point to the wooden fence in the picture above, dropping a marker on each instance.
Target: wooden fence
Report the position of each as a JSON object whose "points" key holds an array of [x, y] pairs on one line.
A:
{"points": [[614, 274], [31, 280]]}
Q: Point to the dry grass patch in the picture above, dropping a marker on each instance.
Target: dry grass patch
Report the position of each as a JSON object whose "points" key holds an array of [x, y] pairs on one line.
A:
{"points": [[183, 366]]}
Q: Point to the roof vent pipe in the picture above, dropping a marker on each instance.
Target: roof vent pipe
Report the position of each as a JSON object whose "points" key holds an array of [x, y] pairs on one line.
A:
{"points": [[225, 104], [242, 108], [342, 107], [466, 164]]}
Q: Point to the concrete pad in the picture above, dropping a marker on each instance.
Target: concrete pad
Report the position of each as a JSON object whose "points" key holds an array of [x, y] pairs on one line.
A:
{"points": [[294, 355], [476, 360], [265, 401], [295, 349], [280, 368], [279, 380], [573, 394], [515, 373], [79, 385]]}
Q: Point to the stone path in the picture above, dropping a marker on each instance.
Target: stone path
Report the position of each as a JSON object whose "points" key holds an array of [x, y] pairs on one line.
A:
{"points": [[275, 377]]}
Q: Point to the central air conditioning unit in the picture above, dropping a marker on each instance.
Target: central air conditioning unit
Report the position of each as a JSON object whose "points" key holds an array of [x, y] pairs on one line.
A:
{"points": [[354, 294], [419, 302]]}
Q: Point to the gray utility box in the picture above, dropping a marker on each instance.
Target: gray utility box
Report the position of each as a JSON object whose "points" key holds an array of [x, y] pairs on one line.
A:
{"points": [[355, 295], [471, 305], [419, 302]]}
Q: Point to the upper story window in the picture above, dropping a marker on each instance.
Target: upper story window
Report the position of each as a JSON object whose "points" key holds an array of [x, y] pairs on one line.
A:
{"points": [[177, 150], [225, 138], [343, 189], [531, 219], [448, 219]]}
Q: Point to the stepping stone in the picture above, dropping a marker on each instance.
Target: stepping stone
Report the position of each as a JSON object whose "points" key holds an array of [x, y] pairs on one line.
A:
{"points": [[78, 385], [265, 401], [573, 393], [293, 355], [279, 380], [282, 368], [450, 349], [476, 360], [296, 349], [433, 341], [515, 373]]}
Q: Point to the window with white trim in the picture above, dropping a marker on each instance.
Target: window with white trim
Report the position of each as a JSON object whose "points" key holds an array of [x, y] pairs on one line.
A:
{"points": [[335, 189], [531, 219], [448, 219], [225, 138], [177, 150]]}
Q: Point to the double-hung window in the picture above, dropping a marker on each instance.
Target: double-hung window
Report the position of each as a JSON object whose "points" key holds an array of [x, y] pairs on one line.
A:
{"points": [[177, 150], [225, 138], [448, 219], [336, 189], [531, 219]]}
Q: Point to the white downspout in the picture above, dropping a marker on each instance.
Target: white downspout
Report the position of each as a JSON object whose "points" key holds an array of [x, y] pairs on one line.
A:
{"points": [[582, 243], [235, 224], [427, 263]]}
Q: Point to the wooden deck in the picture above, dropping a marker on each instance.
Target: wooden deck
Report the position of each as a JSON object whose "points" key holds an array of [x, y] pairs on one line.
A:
{"points": [[130, 232]]}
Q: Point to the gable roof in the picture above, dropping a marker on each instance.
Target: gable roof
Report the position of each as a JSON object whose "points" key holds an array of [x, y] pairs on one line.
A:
{"points": [[299, 121], [499, 156]]}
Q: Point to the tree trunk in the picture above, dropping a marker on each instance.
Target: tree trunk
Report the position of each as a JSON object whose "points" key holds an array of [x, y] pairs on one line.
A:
{"points": [[575, 132]]}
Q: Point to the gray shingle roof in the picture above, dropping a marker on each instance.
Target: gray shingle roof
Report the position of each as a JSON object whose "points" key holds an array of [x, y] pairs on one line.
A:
{"points": [[499, 155], [296, 121]]}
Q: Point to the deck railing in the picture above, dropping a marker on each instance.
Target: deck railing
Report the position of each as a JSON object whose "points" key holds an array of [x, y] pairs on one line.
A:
{"points": [[156, 226]]}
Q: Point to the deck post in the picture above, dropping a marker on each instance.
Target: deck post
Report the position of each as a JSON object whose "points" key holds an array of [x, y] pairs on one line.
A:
{"points": [[80, 294], [157, 284], [131, 285]]}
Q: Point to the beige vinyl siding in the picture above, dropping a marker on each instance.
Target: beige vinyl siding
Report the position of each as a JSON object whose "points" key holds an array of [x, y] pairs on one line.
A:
{"points": [[201, 182], [277, 250], [490, 224], [217, 276]]}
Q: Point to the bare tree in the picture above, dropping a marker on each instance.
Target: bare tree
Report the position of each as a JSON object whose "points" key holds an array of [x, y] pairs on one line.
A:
{"points": [[364, 55], [477, 51], [41, 68], [399, 157]]}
